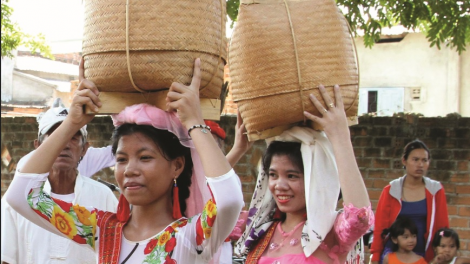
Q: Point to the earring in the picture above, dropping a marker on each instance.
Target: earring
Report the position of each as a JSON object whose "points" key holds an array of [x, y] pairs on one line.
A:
{"points": [[124, 211], [176, 202]]}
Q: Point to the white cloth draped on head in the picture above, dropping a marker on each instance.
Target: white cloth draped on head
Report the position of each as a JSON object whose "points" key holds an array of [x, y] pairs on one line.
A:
{"points": [[321, 192], [144, 114]]}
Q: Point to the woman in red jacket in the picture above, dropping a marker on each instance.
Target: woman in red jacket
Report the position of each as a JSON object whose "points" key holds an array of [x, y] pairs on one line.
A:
{"points": [[415, 196]]}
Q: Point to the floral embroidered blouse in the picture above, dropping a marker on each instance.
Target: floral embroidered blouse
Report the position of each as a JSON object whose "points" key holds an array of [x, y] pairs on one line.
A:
{"points": [[349, 226], [186, 240]]}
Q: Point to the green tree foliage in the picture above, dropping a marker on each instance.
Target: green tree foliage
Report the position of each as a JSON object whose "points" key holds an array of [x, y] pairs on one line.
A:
{"points": [[443, 21], [232, 10], [12, 37]]}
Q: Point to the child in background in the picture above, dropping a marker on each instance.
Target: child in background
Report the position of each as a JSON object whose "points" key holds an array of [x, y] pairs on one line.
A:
{"points": [[446, 245], [403, 235]]}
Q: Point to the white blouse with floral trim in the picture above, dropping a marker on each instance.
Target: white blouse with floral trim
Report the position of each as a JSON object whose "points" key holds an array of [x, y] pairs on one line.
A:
{"points": [[177, 243]]}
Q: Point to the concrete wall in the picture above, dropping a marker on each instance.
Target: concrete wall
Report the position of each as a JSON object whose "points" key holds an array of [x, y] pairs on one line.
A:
{"points": [[7, 79], [51, 75], [442, 74], [465, 82], [28, 88]]}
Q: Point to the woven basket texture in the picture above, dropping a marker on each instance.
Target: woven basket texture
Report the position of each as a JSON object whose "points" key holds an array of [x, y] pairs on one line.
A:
{"points": [[263, 66], [165, 37]]}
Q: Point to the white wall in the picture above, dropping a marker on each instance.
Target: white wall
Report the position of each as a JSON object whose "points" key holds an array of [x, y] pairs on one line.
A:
{"points": [[442, 75], [7, 79], [465, 82], [29, 89]]}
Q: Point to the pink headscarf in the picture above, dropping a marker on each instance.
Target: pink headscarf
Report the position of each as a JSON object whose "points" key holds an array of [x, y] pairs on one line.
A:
{"points": [[144, 114]]}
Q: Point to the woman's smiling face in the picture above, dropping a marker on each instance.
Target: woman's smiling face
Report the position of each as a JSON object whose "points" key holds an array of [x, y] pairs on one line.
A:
{"points": [[144, 175], [286, 183]]}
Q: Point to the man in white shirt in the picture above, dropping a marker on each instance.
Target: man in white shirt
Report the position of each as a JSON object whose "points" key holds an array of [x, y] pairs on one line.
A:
{"points": [[94, 160], [22, 241]]}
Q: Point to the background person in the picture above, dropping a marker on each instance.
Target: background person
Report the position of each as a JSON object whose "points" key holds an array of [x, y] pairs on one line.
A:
{"points": [[446, 245], [25, 242], [416, 196], [403, 234], [94, 160]]}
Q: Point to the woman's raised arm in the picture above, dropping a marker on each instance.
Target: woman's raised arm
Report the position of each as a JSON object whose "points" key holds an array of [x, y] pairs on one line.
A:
{"points": [[334, 123], [43, 158], [241, 144], [185, 101]]}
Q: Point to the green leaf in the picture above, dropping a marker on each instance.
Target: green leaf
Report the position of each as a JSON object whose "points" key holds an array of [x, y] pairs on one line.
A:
{"points": [[12, 36], [232, 10], [443, 21]]}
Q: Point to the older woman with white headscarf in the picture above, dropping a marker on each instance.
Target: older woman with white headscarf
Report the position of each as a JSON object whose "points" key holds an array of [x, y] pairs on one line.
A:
{"points": [[292, 216]]}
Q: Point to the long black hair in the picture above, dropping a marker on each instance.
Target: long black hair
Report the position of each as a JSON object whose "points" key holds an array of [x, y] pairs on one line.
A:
{"points": [[170, 148]]}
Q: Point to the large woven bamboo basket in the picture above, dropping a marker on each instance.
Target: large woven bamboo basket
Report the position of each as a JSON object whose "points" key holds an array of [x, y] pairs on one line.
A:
{"points": [[280, 52], [154, 43]]}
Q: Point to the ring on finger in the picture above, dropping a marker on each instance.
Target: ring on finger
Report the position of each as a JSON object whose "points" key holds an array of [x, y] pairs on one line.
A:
{"points": [[331, 105], [324, 110]]}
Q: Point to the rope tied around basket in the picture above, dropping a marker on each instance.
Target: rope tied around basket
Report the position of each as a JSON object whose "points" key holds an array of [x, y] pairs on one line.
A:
{"points": [[296, 61], [127, 50], [221, 42]]}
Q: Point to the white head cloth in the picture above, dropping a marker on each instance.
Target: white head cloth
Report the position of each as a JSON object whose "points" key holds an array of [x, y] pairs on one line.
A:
{"points": [[321, 192]]}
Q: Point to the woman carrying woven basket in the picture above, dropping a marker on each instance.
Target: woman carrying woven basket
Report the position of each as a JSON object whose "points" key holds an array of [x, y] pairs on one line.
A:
{"points": [[161, 160], [292, 217]]}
